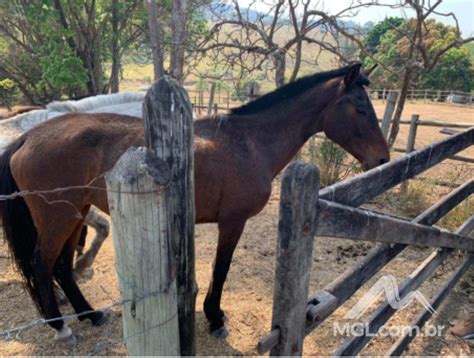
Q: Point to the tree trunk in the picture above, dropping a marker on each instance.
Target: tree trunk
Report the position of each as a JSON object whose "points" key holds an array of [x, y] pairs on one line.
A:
{"points": [[400, 106], [114, 81], [279, 62], [155, 39], [178, 39], [297, 65]]}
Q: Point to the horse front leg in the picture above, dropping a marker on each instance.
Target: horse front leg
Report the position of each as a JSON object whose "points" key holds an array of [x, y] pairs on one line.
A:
{"points": [[230, 231], [102, 228]]}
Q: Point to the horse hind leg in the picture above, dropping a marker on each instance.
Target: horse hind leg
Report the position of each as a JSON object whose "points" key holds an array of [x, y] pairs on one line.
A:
{"points": [[82, 241], [64, 276], [102, 228], [229, 234], [42, 264]]}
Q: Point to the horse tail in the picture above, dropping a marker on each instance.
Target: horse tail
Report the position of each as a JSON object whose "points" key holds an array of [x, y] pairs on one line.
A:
{"points": [[19, 230]]}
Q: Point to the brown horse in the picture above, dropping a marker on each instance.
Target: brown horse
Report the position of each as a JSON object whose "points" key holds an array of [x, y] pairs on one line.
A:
{"points": [[236, 158]]}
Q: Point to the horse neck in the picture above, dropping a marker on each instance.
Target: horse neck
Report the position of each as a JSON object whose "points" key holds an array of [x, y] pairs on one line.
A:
{"points": [[279, 132]]}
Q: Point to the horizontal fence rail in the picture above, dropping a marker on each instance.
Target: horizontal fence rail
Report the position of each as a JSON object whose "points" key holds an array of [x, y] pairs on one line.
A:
{"points": [[336, 220], [366, 186]]}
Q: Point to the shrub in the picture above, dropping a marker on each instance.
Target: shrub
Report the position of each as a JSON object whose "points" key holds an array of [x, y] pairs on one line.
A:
{"points": [[329, 157], [8, 93]]}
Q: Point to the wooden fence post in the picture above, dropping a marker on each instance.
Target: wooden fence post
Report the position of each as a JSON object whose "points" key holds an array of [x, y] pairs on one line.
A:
{"points": [[410, 145], [412, 133], [169, 133], [296, 228], [138, 199], [211, 98], [389, 109]]}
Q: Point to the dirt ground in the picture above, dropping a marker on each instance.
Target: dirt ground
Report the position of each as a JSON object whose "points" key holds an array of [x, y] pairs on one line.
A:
{"points": [[247, 297]]}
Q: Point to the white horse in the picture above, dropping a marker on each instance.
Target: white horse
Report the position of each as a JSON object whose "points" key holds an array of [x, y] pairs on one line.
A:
{"points": [[128, 103]]}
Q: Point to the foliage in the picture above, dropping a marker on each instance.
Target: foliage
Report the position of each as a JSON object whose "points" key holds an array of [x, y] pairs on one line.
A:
{"points": [[390, 46], [8, 93], [329, 157], [55, 48], [372, 41], [454, 71]]}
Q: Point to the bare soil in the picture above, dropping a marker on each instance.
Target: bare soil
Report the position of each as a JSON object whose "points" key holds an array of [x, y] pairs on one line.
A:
{"points": [[247, 297]]}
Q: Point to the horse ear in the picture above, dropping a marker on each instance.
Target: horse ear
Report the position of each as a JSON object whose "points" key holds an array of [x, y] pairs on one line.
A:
{"points": [[370, 70], [352, 74]]}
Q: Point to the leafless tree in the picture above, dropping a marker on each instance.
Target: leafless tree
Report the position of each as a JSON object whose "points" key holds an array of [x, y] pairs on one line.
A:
{"points": [[249, 39]]}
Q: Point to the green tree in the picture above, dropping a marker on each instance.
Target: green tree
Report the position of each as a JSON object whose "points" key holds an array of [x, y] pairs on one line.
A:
{"points": [[372, 41], [454, 71], [52, 48], [390, 46]]}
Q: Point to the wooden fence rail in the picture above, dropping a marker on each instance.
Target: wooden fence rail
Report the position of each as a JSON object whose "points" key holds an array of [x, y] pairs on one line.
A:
{"points": [[338, 217]]}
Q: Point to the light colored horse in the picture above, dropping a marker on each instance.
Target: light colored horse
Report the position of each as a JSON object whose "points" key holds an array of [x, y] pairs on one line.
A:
{"points": [[127, 103]]}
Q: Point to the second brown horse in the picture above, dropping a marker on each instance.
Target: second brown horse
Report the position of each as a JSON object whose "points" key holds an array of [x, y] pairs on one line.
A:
{"points": [[236, 158]]}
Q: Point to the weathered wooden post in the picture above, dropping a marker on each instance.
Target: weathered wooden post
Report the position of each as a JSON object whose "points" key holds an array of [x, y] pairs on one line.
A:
{"points": [[410, 144], [389, 109], [383, 94], [169, 133], [211, 98], [296, 229], [412, 133], [137, 190]]}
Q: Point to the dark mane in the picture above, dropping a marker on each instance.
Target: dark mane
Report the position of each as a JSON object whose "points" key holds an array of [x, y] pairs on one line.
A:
{"points": [[293, 89]]}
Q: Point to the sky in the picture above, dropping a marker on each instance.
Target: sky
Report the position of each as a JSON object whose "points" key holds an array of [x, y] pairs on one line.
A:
{"points": [[463, 9]]}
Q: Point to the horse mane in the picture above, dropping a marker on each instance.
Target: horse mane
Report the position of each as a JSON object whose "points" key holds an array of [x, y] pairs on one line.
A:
{"points": [[95, 102], [292, 90]]}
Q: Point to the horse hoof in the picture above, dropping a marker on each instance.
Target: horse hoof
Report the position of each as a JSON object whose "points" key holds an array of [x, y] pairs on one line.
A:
{"points": [[65, 336], [221, 332], [100, 320]]}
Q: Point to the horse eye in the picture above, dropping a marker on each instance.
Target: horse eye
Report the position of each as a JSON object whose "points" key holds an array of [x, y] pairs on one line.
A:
{"points": [[361, 111]]}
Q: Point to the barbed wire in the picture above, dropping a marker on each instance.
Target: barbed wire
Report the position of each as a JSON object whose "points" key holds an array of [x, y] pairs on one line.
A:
{"points": [[9, 333]]}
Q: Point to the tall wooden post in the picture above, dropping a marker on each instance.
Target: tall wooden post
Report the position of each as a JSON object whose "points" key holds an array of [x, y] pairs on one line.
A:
{"points": [[410, 145], [169, 133], [389, 109], [296, 229], [412, 133], [138, 200], [211, 98]]}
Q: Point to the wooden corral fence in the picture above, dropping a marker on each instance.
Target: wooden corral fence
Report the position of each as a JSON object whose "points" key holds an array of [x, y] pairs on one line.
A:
{"points": [[333, 212], [151, 199], [427, 95]]}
